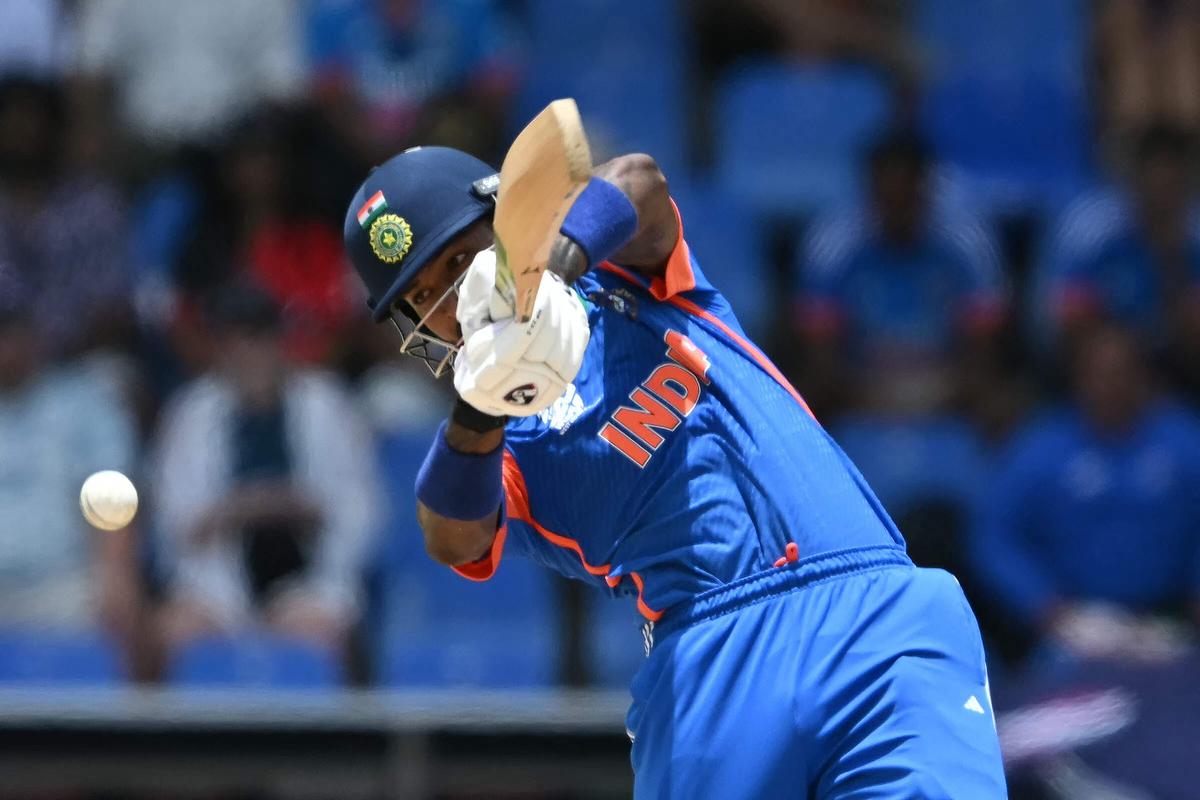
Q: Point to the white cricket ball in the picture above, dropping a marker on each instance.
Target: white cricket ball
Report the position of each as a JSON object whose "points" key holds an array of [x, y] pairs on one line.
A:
{"points": [[108, 500]]}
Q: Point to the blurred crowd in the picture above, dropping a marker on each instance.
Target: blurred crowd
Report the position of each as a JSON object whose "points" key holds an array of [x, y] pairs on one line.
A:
{"points": [[967, 231]]}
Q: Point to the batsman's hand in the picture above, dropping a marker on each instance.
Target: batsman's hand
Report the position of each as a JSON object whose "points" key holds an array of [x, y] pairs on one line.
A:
{"points": [[512, 368]]}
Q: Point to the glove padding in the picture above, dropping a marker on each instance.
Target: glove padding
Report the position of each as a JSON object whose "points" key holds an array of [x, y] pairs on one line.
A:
{"points": [[507, 367]]}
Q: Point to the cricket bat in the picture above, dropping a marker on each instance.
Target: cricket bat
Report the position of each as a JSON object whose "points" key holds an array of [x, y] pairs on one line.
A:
{"points": [[543, 172]]}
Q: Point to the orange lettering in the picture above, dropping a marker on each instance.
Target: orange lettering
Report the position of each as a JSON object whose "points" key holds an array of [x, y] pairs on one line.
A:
{"points": [[683, 350], [676, 386], [627, 447], [642, 421]]}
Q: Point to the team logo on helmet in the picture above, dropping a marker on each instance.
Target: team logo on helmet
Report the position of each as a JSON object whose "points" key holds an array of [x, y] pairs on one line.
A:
{"points": [[390, 237]]}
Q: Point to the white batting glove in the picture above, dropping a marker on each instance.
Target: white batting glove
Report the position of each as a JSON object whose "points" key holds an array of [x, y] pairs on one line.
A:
{"points": [[480, 303], [507, 367]]}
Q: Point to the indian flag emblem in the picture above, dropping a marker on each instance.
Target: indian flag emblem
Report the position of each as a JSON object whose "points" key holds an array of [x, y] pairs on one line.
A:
{"points": [[371, 209]]}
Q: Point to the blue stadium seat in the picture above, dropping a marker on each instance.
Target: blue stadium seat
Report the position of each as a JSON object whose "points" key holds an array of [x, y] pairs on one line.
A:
{"points": [[622, 61], [400, 457], [790, 138], [576, 29], [440, 629], [255, 659], [1006, 101], [1039, 37], [615, 647], [912, 461], [729, 244], [492, 654], [1019, 143], [58, 657]]}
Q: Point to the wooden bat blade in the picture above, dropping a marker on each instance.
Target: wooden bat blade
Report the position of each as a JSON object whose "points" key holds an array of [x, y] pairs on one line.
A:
{"points": [[546, 168]]}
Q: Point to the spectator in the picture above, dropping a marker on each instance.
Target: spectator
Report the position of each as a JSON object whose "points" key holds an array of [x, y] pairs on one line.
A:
{"points": [[1098, 503], [814, 32], [181, 73], [1148, 54], [392, 71], [1133, 256], [870, 31], [57, 426], [260, 219], [900, 296], [64, 234], [267, 494]]}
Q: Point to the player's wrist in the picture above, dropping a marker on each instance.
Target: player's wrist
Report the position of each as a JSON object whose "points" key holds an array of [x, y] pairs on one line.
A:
{"points": [[468, 418], [601, 221], [462, 484]]}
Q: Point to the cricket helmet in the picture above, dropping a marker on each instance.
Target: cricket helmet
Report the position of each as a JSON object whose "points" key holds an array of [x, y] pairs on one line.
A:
{"points": [[406, 211]]}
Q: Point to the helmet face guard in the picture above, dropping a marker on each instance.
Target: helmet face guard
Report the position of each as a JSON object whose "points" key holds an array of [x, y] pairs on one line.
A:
{"points": [[418, 341]]}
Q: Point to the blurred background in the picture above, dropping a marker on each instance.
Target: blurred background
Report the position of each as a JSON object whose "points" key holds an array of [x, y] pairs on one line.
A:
{"points": [[967, 230]]}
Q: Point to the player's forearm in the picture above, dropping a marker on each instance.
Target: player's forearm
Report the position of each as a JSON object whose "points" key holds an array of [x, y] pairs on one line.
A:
{"points": [[453, 541]]}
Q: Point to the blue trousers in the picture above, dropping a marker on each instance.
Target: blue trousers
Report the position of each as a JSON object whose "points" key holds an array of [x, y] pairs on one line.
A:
{"points": [[853, 675]]}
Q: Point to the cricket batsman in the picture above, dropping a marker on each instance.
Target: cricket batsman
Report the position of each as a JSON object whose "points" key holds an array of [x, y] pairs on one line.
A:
{"points": [[630, 436]]}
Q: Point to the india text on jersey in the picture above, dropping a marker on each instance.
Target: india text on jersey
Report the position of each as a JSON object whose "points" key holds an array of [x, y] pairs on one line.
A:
{"points": [[661, 401]]}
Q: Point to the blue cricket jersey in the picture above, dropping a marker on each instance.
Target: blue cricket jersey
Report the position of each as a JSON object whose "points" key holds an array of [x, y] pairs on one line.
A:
{"points": [[680, 459], [1101, 261], [894, 299], [1077, 515]]}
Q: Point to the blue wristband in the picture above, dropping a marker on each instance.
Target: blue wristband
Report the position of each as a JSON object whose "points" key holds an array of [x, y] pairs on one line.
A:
{"points": [[464, 486], [601, 221]]}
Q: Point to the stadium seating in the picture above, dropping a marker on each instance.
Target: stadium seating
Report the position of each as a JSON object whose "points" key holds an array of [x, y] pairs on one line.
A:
{"points": [[997, 36], [58, 658], [255, 659], [622, 61], [927, 473], [789, 137], [729, 245], [1006, 100], [912, 461], [440, 629], [614, 644], [1021, 144]]}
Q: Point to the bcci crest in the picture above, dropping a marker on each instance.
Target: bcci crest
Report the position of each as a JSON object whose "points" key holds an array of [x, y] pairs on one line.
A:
{"points": [[621, 301], [390, 237]]}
